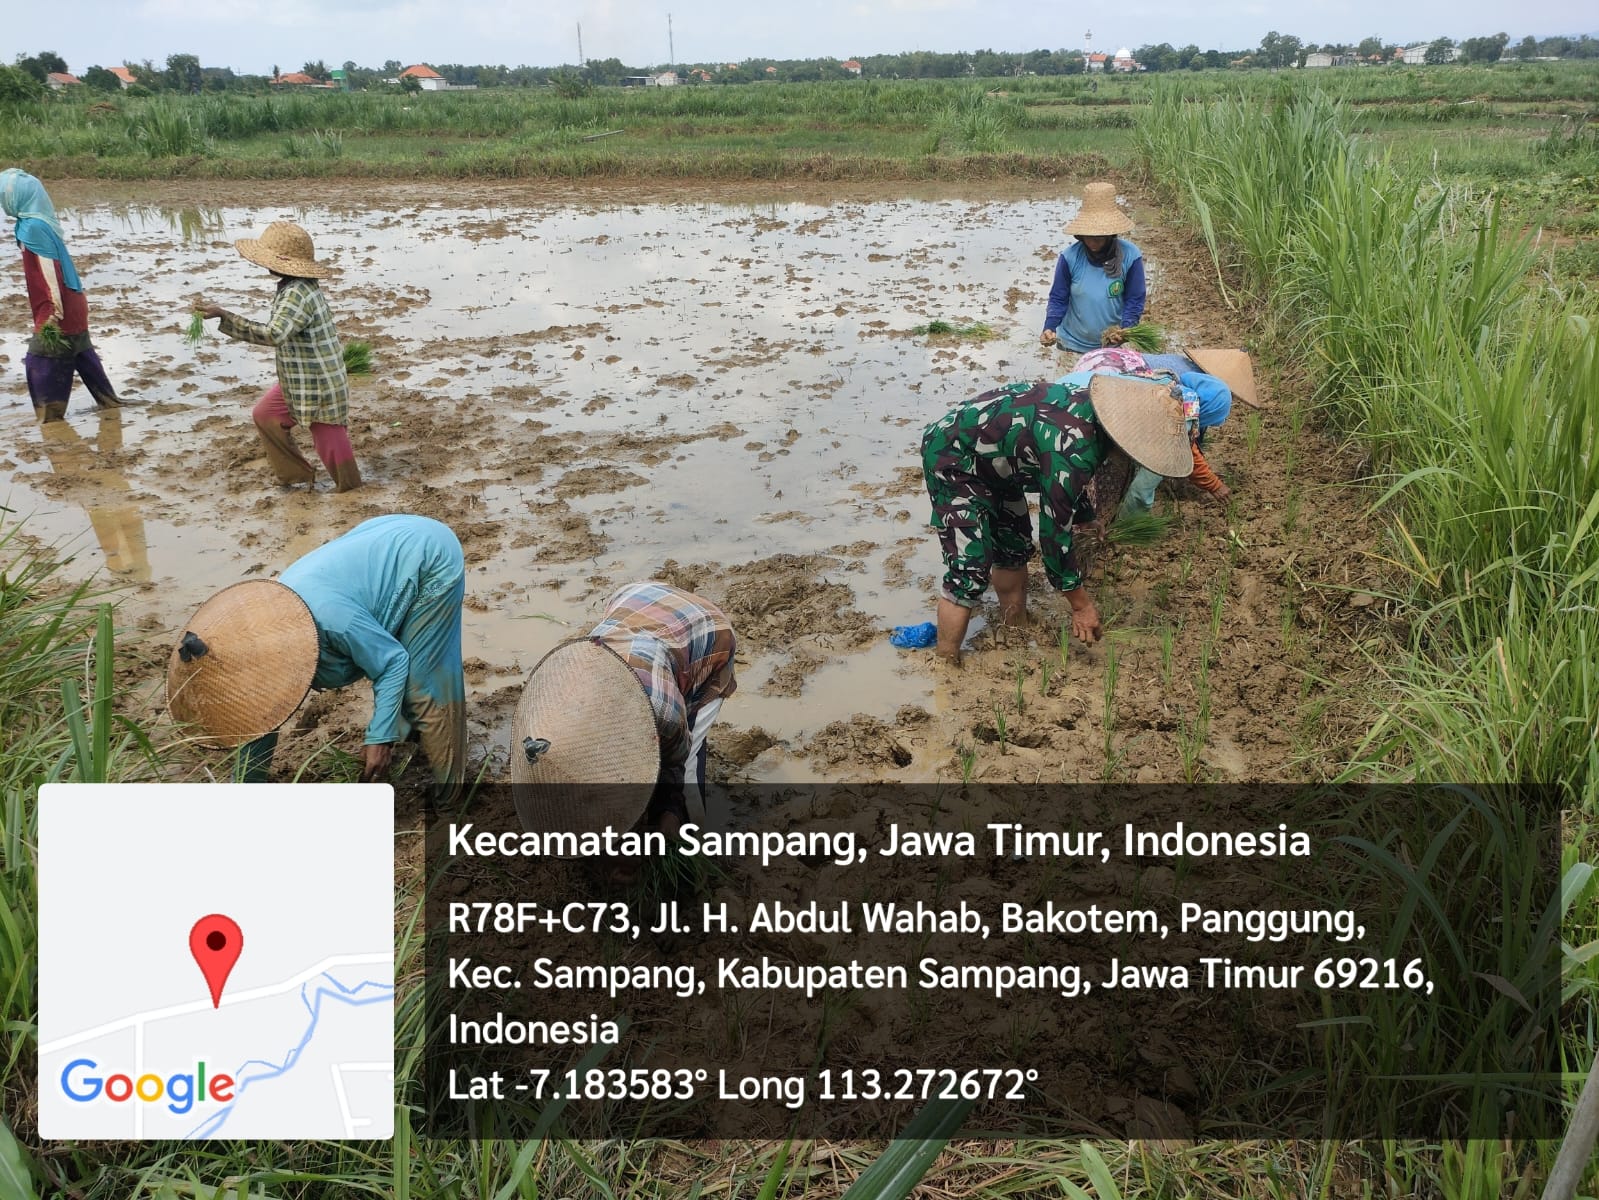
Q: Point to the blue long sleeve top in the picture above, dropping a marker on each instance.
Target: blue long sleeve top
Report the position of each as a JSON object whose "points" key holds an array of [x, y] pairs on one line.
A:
{"points": [[360, 588], [1083, 302]]}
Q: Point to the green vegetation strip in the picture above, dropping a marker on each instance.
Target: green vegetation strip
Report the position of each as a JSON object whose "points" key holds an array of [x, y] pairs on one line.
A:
{"points": [[1429, 333]]}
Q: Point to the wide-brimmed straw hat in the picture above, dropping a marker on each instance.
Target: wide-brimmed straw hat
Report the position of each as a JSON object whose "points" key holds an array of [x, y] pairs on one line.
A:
{"points": [[1232, 367], [244, 663], [1144, 419], [286, 249], [585, 749], [1100, 215]]}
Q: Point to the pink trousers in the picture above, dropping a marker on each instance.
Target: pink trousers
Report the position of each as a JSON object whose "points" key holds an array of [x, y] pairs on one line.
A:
{"points": [[273, 421]]}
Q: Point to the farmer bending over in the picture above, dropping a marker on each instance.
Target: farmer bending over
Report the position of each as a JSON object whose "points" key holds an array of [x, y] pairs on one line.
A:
{"points": [[610, 723], [983, 457], [383, 603]]}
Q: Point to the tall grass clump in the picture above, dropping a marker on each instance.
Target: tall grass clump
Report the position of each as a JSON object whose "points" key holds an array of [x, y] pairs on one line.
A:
{"points": [[1475, 382]]}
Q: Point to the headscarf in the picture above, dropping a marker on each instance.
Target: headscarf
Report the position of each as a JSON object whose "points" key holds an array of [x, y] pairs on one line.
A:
{"points": [[1108, 260], [23, 197]]}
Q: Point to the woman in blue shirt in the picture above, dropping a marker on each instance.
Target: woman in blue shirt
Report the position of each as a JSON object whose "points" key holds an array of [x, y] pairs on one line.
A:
{"points": [[382, 603], [1099, 278]]}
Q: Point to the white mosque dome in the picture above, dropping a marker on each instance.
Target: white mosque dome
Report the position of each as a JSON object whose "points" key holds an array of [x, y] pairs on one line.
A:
{"points": [[1124, 52]]}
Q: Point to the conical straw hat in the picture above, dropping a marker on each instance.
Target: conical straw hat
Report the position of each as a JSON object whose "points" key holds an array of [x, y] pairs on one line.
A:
{"points": [[285, 248], [585, 719], [1232, 367], [1146, 420], [244, 663], [1100, 215]]}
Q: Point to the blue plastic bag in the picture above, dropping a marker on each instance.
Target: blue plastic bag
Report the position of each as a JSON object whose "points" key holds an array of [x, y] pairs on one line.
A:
{"points": [[914, 637]]}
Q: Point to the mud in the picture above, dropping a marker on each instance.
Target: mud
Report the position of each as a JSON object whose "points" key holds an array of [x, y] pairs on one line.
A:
{"points": [[598, 385]]}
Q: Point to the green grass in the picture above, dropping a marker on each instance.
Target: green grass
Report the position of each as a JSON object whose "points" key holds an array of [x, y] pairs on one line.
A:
{"points": [[886, 129]]}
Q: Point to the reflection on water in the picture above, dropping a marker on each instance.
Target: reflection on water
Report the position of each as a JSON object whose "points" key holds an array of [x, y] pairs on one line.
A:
{"points": [[103, 494]]}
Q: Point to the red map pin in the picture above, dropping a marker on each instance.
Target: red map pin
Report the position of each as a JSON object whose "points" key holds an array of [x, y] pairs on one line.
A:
{"points": [[215, 942]]}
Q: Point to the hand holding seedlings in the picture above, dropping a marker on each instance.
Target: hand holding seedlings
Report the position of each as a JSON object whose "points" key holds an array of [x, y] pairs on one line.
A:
{"points": [[195, 333]]}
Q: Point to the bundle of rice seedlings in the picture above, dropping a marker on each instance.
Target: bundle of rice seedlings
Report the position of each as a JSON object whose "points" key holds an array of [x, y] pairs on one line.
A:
{"points": [[195, 333], [977, 331], [1151, 339], [1138, 529], [358, 358], [54, 341]]}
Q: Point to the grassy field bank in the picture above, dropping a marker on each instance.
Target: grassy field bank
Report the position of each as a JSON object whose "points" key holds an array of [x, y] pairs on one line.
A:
{"points": [[1526, 129]]}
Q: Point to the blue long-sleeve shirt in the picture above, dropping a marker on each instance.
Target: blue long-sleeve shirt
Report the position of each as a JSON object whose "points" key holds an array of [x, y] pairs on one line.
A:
{"points": [[360, 589], [1081, 300]]}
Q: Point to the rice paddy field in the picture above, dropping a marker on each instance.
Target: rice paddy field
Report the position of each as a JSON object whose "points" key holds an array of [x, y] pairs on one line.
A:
{"points": [[1405, 585]]}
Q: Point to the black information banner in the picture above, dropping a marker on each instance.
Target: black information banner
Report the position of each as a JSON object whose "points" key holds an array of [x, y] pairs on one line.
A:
{"points": [[1157, 962]]}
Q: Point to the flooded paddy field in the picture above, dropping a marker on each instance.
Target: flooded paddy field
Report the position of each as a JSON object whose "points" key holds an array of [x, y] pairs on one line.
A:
{"points": [[598, 386]]}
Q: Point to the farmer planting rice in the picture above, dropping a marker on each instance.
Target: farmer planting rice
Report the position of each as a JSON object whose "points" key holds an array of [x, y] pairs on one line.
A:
{"points": [[383, 603], [609, 724], [1099, 277], [313, 387], [60, 347], [1203, 381], [983, 457]]}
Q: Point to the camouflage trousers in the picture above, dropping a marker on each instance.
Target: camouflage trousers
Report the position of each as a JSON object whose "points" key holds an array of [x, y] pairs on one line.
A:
{"points": [[982, 520]]}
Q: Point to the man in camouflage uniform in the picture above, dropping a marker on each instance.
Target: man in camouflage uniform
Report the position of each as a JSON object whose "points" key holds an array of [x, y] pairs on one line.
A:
{"points": [[980, 461]]}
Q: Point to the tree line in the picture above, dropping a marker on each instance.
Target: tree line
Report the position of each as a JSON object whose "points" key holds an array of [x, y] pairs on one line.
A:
{"points": [[183, 73]]}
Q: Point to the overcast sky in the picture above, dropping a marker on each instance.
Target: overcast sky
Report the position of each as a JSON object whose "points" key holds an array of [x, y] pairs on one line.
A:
{"points": [[253, 35]]}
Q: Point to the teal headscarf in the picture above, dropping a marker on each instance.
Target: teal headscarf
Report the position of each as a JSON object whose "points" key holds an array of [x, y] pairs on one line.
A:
{"points": [[23, 197]]}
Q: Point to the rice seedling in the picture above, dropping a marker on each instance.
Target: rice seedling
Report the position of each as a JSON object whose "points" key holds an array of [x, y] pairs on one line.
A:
{"points": [[1253, 424], [1151, 339], [999, 727], [53, 340], [977, 331], [1139, 529], [1108, 712], [195, 333], [1168, 642], [1044, 673], [1021, 678], [968, 760], [358, 358]]}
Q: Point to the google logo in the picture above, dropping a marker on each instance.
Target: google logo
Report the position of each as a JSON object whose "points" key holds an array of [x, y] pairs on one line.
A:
{"points": [[181, 1091]]}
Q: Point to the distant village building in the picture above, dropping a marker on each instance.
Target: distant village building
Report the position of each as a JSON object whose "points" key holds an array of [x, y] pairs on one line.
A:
{"points": [[1415, 54], [771, 70], [430, 79], [1124, 61], [1097, 62], [298, 79], [1323, 58], [635, 81], [701, 74], [60, 79], [124, 76], [853, 67], [664, 79]]}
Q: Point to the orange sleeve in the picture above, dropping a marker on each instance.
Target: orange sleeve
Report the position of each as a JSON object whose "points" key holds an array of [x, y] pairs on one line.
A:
{"points": [[1203, 477]]}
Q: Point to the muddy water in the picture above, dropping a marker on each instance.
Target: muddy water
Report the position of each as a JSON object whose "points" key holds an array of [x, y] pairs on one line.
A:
{"points": [[700, 383]]}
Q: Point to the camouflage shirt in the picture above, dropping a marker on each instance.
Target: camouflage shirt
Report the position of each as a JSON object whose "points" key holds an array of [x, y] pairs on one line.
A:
{"points": [[1020, 438]]}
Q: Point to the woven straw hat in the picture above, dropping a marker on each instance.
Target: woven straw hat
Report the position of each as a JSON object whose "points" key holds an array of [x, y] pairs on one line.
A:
{"points": [[244, 663], [1100, 215], [286, 249], [1232, 367], [591, 730], [1144, 419]]}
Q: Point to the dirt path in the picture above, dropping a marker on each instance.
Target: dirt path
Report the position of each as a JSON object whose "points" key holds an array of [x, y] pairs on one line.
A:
{"points": [[598, 384]]}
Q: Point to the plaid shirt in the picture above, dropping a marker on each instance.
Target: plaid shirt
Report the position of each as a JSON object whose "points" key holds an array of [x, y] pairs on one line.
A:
{"points": [[681, 648], [310, 357]]}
